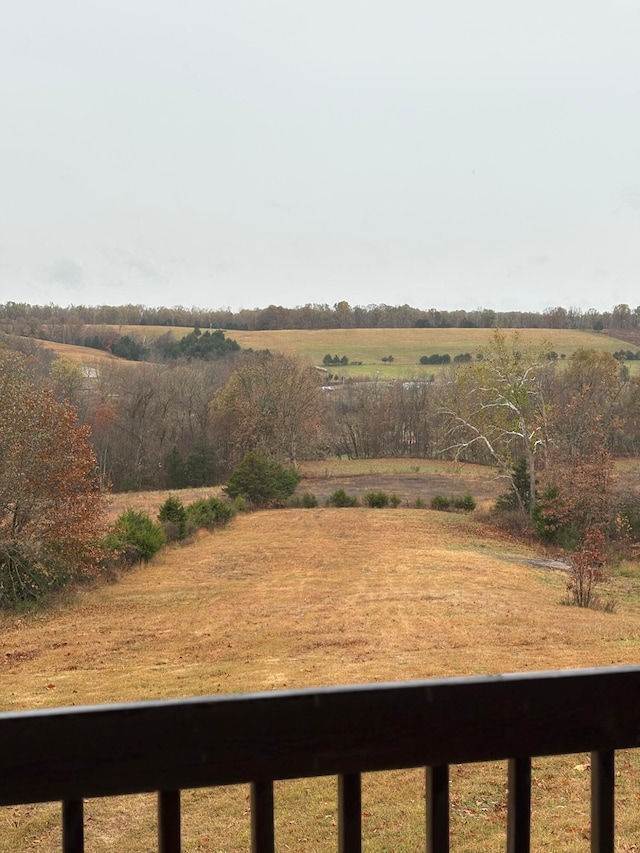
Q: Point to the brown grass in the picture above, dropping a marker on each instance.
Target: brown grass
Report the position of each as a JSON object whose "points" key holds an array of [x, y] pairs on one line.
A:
{"points": [[80, 355], [382, 595], [369, 346]]}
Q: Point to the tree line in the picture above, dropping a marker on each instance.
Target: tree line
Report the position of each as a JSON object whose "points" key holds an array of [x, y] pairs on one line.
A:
{"points": [[188, 423], [68, 324]]}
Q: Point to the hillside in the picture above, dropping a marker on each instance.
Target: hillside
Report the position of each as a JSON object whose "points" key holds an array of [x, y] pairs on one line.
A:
{"points": [[368, 346], [300, 598]]}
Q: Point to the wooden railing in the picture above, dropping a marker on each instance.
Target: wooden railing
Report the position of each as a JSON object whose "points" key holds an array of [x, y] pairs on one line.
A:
{"points": [[70, 754]]}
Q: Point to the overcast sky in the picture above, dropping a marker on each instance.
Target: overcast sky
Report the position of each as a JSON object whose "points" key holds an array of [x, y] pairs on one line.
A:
{"points": [[211, 153]]}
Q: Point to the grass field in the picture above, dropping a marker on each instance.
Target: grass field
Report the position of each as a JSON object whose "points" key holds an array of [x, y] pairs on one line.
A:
{"points": [[407, 478], [405, 345], [80, 355], [378, 595]]}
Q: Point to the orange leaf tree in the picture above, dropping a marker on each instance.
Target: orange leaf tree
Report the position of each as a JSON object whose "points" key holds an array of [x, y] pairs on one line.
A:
{"points": [[51, 505]]}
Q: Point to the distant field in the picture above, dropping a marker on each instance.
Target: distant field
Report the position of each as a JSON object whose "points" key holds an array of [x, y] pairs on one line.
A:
{"points": [[295, 598], [405, 345], [86, 356]]}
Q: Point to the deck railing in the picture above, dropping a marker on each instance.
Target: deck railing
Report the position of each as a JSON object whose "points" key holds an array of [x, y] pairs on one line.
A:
{"points": [[69, 754]]}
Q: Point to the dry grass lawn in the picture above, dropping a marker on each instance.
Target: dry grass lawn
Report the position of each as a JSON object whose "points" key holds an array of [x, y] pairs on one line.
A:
{"points": [[297, 598]]}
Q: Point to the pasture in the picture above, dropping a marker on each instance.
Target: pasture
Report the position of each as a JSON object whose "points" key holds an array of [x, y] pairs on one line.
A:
{"points": [[406, 346], [86, 356], [294, 598]]}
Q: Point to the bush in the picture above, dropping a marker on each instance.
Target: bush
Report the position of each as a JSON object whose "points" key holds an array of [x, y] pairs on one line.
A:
{"points": [[466, 504], [25, 578], [548, 517], [514, 522], [376, 500], [445, 504], [240, 504], [440, 502], [394, 501], [173, 517], [207, 513], [261, 481], [341, 499], [307, 500], [135, 537], [420, 503], [587, 572]]}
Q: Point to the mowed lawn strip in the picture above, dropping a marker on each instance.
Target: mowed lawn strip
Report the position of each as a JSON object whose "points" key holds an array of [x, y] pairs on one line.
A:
{"points": [[297, 598]]}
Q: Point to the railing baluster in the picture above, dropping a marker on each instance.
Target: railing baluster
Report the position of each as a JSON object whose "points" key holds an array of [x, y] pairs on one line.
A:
{"points": [[519, 806], [73, 826], [349, 813], [262, 829], [602, 801], [437, 809], [169, 821]]}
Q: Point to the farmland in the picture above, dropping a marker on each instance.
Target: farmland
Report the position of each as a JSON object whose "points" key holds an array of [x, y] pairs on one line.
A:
{"points": [[406, 346], [378, 595]]}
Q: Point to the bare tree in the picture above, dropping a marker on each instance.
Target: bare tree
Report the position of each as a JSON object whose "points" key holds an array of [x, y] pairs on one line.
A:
{"points": [[498, 404], [275, 402]]}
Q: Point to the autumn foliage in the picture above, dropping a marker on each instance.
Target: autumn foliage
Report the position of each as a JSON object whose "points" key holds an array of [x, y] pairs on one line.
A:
{"points": [[51, 506], [587, 570]]}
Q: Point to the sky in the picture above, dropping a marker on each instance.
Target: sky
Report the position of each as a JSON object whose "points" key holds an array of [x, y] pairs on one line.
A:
{"points": [[238, 153]]}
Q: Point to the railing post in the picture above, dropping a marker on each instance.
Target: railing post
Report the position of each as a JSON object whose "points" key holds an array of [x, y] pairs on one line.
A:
{"points": [[602, 801], [73, 826], [437, 779], [349, 813], [169, 821], [519, 806], [262, 829]]}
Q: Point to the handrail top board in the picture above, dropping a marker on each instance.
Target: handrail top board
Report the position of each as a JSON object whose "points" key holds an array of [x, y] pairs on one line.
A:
{"points": [[70, 753]]}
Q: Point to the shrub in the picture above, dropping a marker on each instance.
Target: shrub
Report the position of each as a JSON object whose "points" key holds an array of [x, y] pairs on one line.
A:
{"points": [[240, 504], [445, 504], [25, 578], [548, 517], [376, 500], [420, 503], [135, 537], [207, 513], [514, 522], [587, 572], [173, 517], [341, 499], [440, 502], [307, 500], [466, 504], [261, 481], [394, 501]]}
